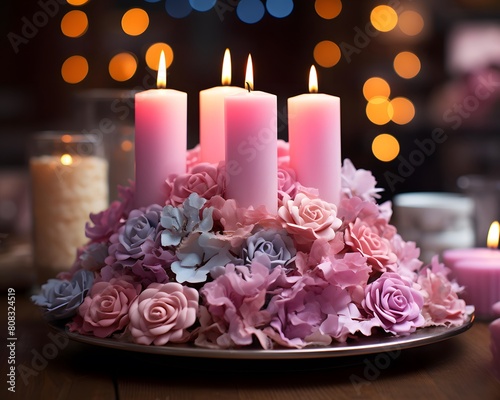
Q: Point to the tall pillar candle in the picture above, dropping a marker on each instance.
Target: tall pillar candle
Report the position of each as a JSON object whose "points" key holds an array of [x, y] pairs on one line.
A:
{"points": [[252, 147], [212, 123], [314, 137], [160, 139]]}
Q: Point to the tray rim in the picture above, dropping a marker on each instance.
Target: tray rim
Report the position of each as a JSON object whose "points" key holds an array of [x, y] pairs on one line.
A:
{"points": [[364, 346]]}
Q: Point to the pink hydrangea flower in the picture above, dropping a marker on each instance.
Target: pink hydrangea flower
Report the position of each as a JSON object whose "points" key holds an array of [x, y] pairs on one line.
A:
{"points": [[442, 306], [162, 313], [358, 182], [309, 219], [105, 309], [361, 237], [234, 303], [307, 314], [205, 179], [395, 303]]}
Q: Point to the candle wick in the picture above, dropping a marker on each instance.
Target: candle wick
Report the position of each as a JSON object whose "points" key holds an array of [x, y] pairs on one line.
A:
{"points": [[249, 86]]}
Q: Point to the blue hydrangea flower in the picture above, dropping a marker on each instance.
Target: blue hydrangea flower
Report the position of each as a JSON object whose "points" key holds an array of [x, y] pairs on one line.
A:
{"points": [[181, 221]]}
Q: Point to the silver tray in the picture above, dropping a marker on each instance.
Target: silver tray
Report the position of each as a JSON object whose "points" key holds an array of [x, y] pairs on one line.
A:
{"points": [[362, 346]]}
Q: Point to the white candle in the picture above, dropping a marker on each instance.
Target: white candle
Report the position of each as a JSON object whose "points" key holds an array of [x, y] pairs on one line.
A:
{"points": [[160, 139], [66, 188], [252, 147], [212, 123], [314, 137]]}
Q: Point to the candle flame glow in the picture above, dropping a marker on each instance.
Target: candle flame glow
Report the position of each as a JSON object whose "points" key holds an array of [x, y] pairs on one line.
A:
{"points": [[161, 80], [249, 74], [313, 80], [66, 159], [493, 235], [226, 68]]}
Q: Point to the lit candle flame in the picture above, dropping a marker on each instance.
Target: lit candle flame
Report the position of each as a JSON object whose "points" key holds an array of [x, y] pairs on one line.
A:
{"points": [[313, 80], [249, 74], [493, 235], [66, 159], [161, 80], [226, 68]]}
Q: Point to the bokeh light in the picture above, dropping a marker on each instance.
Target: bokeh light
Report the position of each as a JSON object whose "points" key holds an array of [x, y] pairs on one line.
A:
{"points": [[74, 24], [127, 145], [327, 53], [178, 8], [135, 21], [385, 147], [328, 9], [407, 64], [66, 159], [403, 110], [202, 5], [77, 2], [75, 69], [279, 8], [379, 110], [122, 67], [411, 22], [153, 55], [384, 18], [376, 86], [250, 11]]}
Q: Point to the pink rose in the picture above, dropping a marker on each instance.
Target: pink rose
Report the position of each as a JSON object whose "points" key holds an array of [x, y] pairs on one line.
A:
{"points": [[286, 182], [105, 309], [393, 301], [162, 313], [309, 219], [378, 251], [204, 179]]}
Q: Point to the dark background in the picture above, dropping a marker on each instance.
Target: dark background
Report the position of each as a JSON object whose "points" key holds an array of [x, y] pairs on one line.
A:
{"points": [[34, 97]]}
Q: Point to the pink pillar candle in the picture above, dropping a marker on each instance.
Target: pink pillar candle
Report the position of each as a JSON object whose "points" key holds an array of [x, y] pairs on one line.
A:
{"points": [[252, 149], [478, 270], [314, 137], [212, 122], [160, 142]]}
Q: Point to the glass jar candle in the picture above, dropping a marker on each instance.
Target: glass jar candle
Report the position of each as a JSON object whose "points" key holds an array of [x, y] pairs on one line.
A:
{"points": [[69, 180]]}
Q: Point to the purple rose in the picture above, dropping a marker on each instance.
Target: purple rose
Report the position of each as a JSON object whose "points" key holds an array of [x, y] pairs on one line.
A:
{"points": [[278, 246], [61, 298], [393, 301], [136, 238]]}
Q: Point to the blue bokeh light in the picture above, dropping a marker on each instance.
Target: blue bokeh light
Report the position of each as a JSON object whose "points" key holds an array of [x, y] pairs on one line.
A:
{"points": [[178, 8], [202, 5], [153, 1], [250, 11], [279, 8]]}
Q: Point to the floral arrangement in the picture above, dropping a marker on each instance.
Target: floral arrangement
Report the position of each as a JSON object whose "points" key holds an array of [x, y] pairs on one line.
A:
{"points": [[199, 269]]}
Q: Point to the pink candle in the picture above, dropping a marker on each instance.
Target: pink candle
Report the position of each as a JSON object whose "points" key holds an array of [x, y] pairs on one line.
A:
{"points": [[478, 270], [314, 137], [212, 123], [252, 147], [160, 139]]}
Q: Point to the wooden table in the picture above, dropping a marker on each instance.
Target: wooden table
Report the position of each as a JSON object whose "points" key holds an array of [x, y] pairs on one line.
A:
{"points": [[458, 368]]}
